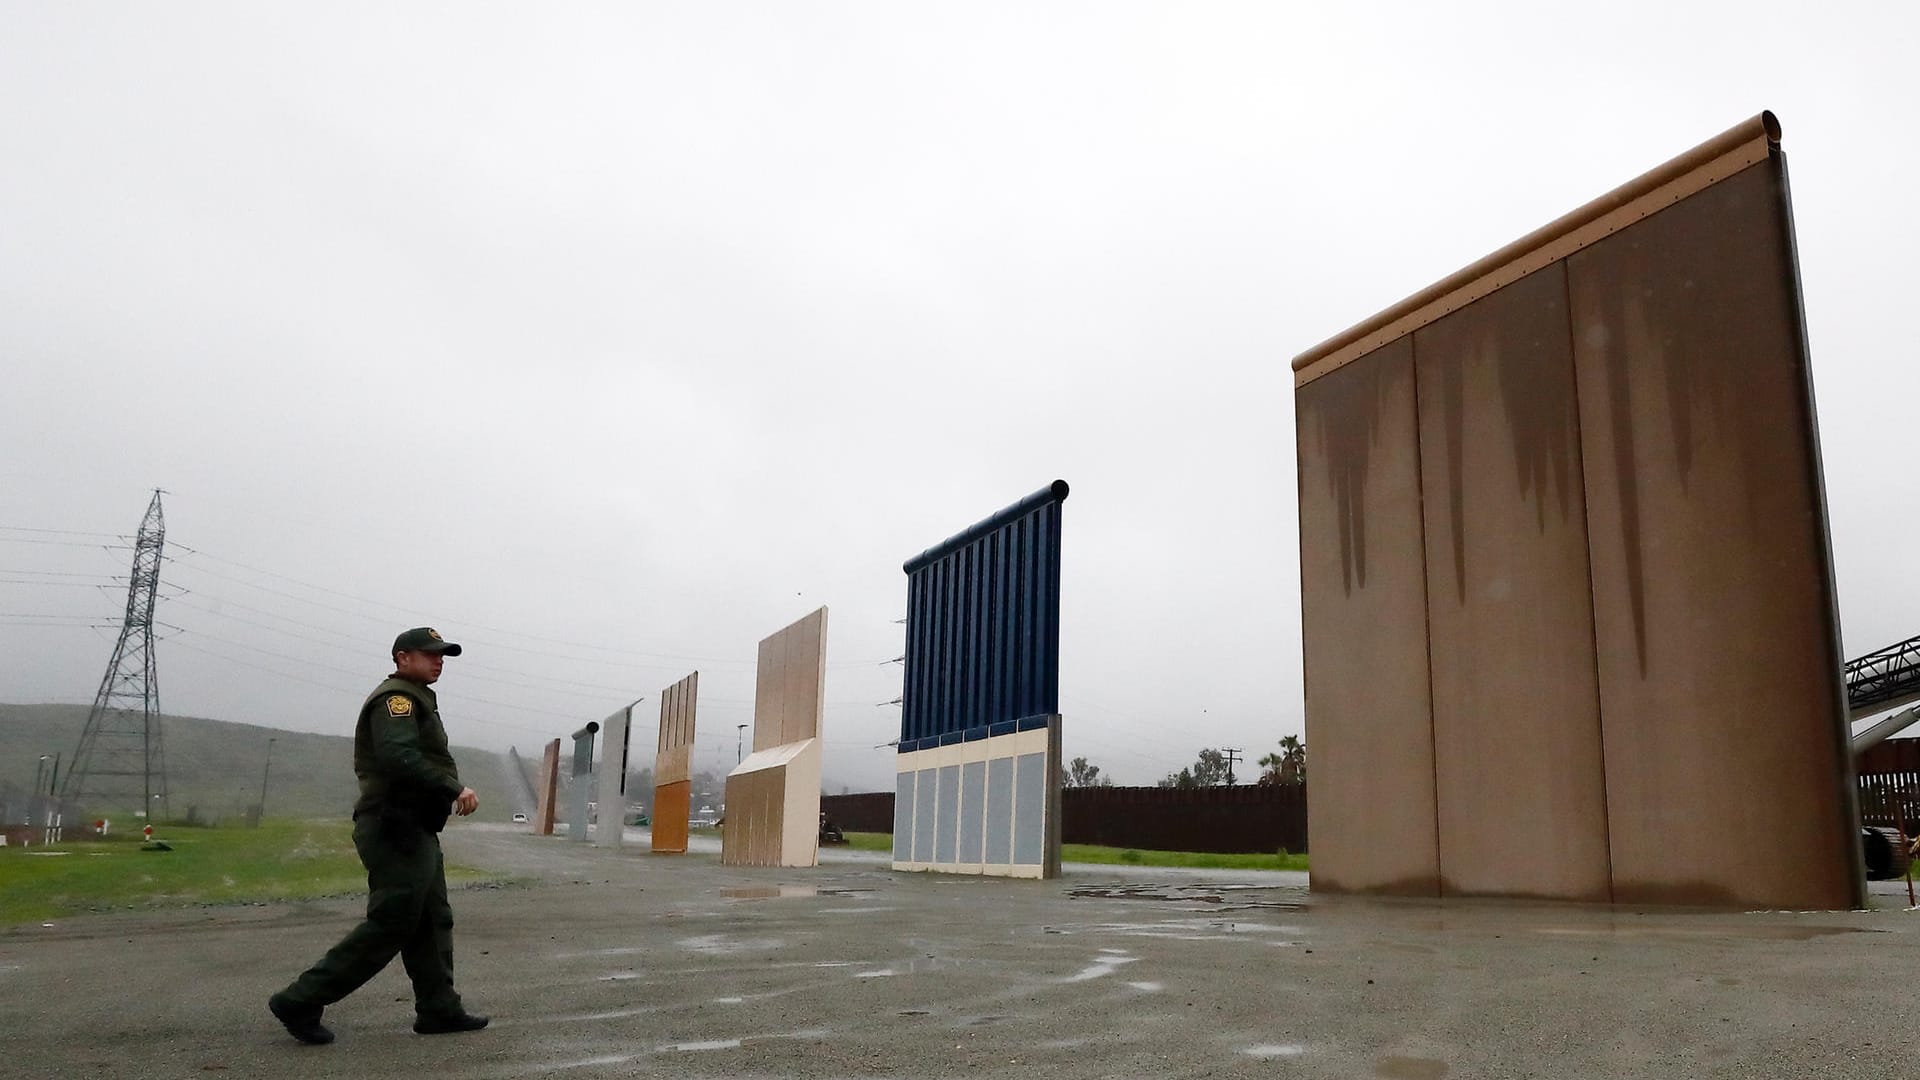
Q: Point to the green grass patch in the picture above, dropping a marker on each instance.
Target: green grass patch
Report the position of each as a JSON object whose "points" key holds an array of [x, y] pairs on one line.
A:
{"points": [[1091, 853], [870, 841], [280, 860]]}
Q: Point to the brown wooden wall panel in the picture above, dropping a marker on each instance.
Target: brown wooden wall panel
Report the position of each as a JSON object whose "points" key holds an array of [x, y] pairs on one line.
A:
{"points": [[672, 806], [1516, 715], [547, 790], [1717, 653], [789, 681], [1364, 620]]}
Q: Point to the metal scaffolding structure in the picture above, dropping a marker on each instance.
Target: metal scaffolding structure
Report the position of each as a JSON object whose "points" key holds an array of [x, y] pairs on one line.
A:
{"points": [[121, 764], [1884, 679]]}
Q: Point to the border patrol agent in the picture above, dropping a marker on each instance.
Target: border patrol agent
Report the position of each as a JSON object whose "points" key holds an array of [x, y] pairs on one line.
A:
{"points": [[408, 787]]}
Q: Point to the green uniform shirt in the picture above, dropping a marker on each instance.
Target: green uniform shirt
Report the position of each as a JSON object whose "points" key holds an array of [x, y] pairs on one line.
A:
{"points": [[400, 748]]}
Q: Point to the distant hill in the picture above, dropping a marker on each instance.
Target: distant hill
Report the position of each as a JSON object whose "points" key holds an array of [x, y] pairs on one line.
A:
{"points": [[214, 766]]}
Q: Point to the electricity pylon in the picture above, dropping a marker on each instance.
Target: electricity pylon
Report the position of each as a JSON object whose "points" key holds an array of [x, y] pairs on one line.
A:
{"points": [[122, 760]]}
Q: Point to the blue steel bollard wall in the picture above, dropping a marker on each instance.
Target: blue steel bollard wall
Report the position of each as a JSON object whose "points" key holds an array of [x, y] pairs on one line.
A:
{"points": [[977, 787]]}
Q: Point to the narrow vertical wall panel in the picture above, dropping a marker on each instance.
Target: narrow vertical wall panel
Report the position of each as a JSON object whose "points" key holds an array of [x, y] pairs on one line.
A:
{"points": [[610, 788], [1717, 651], [582, 781], [548, 790], [1363, 602], [673, 765], [1516, 714], [903, 800]]}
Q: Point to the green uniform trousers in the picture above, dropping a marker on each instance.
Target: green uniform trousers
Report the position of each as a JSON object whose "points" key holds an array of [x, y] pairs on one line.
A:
{"points": [[407, 914]]}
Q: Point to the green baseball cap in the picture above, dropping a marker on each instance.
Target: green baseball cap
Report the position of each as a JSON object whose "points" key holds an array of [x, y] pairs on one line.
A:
{"points": [[425, 639]]}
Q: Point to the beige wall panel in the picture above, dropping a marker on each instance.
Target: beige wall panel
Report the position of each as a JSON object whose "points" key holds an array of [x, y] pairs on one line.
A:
{"points": [[800, 808], [803, 678], [788, 683], [769, 692], [1516, 716], [1363, 601], [674, 752], [673, 766], [1715, 626]]}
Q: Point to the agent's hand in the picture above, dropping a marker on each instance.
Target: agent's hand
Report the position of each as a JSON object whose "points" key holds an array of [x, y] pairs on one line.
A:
{"points": [[467, 803]]}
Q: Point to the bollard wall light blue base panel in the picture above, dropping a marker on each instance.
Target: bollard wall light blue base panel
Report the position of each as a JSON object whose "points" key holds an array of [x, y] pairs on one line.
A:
{"points": [[982, 806]]}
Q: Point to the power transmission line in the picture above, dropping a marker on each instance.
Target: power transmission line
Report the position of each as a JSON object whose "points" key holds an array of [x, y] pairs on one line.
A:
{"points": [[454, 618], [61, 532]]}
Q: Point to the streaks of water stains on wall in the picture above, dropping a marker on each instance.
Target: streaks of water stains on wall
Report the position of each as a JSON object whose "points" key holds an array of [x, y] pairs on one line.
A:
{"points": [[1596, 529], [1718, 660], [1363, 606], [1345, 416], [1516, 717]]}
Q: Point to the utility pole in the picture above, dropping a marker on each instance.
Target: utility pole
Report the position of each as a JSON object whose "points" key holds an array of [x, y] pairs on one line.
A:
{"points": [[1232, 754], [121, 762], [264, 773], [38, 771], [739, 743]]}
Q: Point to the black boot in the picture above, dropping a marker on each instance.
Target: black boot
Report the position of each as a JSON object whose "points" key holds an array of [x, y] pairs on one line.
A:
{"points": [[301, 1021], [449, 1023]]}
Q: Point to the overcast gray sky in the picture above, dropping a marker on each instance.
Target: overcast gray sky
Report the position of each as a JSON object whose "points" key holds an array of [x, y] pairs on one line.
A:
{"points": [[610, 338]]}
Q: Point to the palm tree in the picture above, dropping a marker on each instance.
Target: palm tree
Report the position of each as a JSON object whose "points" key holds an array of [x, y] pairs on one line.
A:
{"points": [[1288, 766]]}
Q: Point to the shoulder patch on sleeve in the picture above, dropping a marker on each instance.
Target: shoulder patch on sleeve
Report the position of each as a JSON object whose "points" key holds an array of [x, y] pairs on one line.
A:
{"points": [[399, 705]]}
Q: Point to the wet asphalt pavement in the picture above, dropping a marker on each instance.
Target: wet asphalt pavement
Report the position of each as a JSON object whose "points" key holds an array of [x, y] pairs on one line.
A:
{"points": [[626, 964]]}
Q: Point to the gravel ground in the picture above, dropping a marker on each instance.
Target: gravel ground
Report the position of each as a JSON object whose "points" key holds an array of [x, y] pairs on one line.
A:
{"points": [[620, 963]]}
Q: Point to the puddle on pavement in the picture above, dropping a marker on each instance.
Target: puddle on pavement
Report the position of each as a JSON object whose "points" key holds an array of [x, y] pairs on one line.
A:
{"points": [[1757, 931], [769, 892], [690, 1046], [1184, 930], [722, 945], [1275, 1050], [1101, 967], [708, 1044], [787, 892], [1217, 897], [1409, 1068]]}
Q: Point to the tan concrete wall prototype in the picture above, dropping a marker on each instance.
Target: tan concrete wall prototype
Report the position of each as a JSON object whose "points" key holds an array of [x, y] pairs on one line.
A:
{"points": [[1577, 638], [789, 683], [1516, 714], [773, 797], [548, 790], [1710, 559], [773, 808], [673, 764], [1363, 602]]}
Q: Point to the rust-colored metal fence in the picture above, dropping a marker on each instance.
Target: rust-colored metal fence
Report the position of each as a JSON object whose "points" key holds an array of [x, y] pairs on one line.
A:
{"points": [[1890, 784]]}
